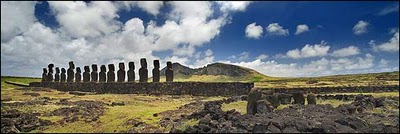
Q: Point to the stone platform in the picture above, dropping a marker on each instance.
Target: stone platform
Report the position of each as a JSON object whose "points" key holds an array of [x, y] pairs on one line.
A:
{"points": [[155, 88]]}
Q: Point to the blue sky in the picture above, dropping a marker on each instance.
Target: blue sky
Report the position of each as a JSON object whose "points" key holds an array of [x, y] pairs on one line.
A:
{"points": [[288, 39]]}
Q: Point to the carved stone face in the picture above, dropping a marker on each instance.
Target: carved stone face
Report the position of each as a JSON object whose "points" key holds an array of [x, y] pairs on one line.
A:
{"points": [[86, 68], [103, 68], [44, 70], [156, 63], [169, 65], [94, 67], [78, 70], [71, 65], [131, 65], [111, 67], [57, 70], [63, 70], [121, 66], [51, 65], [143, 63]]}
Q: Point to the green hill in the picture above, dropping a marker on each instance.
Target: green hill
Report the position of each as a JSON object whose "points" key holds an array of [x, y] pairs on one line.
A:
{"points": [[216, 72]]}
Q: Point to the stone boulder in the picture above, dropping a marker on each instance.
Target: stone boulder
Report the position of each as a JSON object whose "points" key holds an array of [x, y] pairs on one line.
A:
{"points": [[252, 99], [311, 99], [298, 98]]}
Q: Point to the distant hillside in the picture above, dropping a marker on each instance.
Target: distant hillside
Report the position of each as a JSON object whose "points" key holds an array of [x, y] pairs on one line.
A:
{"points": [[216, 72]]}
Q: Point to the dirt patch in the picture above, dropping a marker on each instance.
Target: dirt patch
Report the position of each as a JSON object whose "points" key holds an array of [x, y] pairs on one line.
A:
{"points": [[32, 94]]}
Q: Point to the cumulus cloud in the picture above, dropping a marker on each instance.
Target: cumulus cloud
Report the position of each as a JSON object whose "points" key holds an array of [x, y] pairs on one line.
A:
{"points": [[152, 7], [319, 67], [344, 52], [308, 50], [276, 29], [208, 58], [360, 27], [233, 5], [90, 33], [253, 31], [81, 19], [301, 29], [17, 17], [262, 56], [383, 63], [390, 46]]}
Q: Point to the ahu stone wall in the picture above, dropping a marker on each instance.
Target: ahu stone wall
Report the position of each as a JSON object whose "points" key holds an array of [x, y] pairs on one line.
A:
{"points": [[322, 90], [155, 88]]}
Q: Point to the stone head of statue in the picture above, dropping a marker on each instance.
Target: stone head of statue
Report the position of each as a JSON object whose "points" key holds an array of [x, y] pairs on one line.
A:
{"points": [[78, 70], [63, 70], [156, 63], [103, 68], [57, 70], [122, 66], [143, 62], [45, 70], [111, 67], [71, 65], [86, 68], [131, 65], [94, 67], [169, 64]]}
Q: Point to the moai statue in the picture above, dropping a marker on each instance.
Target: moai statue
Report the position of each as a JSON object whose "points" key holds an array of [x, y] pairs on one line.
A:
{"points": [[156, 71], [94, 74], [169, 72], [102, 74], [70, 72], [131, 72], [44, 75], [143, 72], [110, 73], [50, 74], [63, 76], [86, 74], [57, 75], [121, 72], [78, 76]]}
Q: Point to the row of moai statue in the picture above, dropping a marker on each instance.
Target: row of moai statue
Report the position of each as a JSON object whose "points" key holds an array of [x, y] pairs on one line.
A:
{"points": [[94, 76]]}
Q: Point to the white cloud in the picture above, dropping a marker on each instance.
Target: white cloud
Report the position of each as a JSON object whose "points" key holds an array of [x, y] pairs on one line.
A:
{"points": [[152, 7], [309, 51], [390, 9], [233, 5], [207, 59], [240, 57], [276, 29], [301, 29], [253, 31], [344, 52], [360, 27], [80, 19], [319, 67], [243, 56], [391, 46], [101, 39], [383, 63], [262, 56], [17, 17], [208, 52]]}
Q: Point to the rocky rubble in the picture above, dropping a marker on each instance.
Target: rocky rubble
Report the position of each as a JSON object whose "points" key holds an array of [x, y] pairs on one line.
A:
{"points": [[87, 110], [297, 118], [13, 121]]}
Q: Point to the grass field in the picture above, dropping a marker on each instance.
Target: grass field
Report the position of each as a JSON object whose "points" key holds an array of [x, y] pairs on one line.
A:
{"points": [[143, 107]]}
